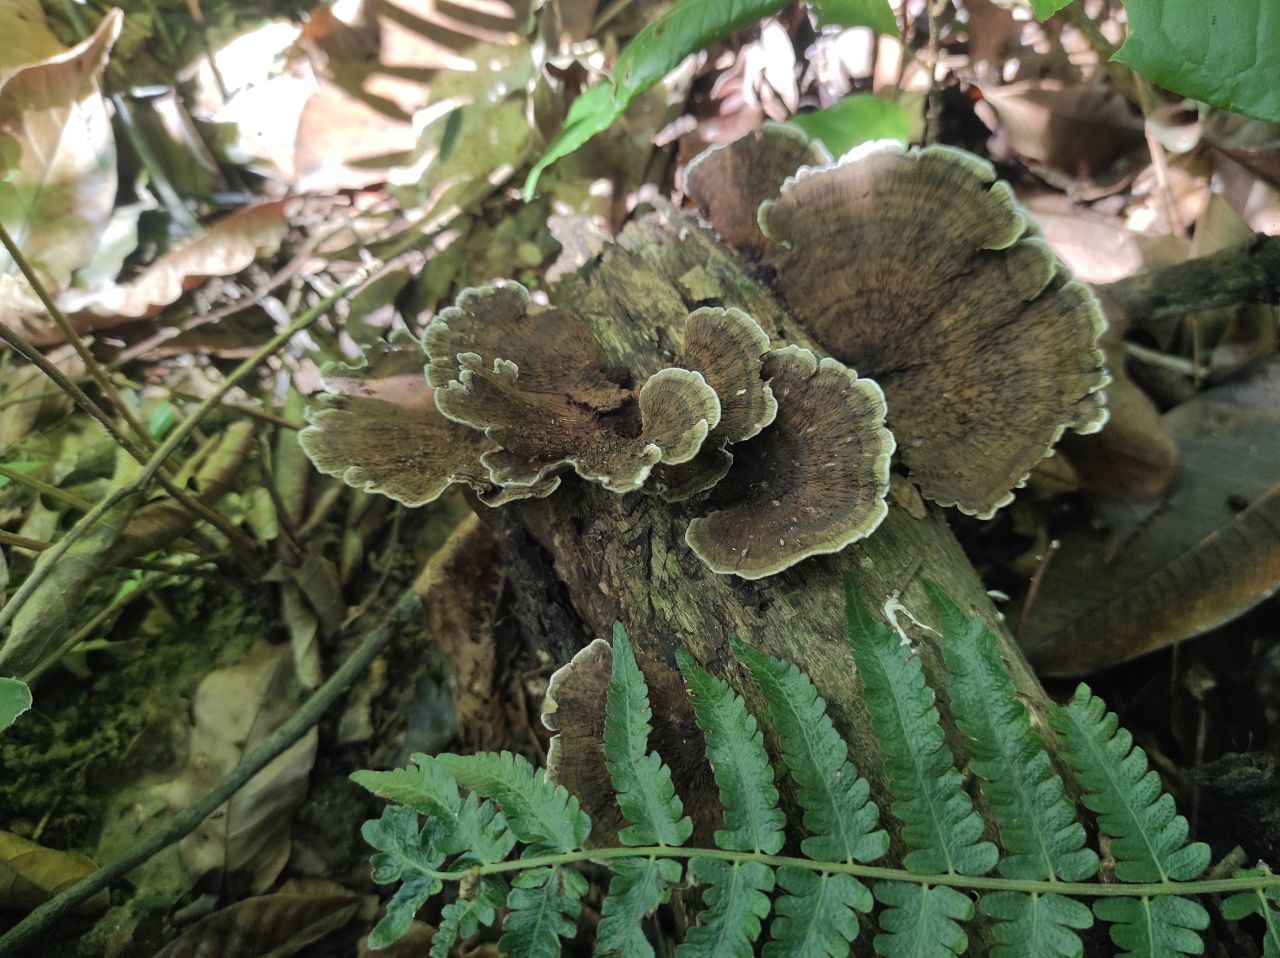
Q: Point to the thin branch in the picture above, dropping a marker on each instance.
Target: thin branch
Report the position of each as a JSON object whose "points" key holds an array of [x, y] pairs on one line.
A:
{"points": [[44, 917]]}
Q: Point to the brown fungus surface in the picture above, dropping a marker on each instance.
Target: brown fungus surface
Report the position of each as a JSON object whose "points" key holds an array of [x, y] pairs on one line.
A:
{"points": [[920, 269], [728, 348], [812, 483], [378, 429], [728, 182]]}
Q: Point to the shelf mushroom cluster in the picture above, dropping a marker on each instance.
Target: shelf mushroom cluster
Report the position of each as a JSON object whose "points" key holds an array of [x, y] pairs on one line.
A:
{"points": [[917, 268]]}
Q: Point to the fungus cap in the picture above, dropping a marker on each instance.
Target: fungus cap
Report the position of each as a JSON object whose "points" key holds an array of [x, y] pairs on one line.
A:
{"points": [[812, 483], [920, 268]]}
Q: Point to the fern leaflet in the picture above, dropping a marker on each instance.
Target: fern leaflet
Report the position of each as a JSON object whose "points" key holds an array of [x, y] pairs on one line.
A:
{"points": [[1264, 904], [466, 915], [817, 916], [1031, 924], [921, 921], [737, 899], [543, 908], [637, 888], [1155, 927], [407, 855], [940, 824]]}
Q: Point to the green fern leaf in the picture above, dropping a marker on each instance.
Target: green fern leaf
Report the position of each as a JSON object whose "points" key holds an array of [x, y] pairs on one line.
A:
{"points": [[735, 747], [840, 818], [1263, 903], [921, 921], [1148, 836], [407, 855], [463, 917], [817, 916], [1165, 926], [1037, 823], [1035, 926], [940, 824], [543, 907], [642, 780], [475, 828], [737, 899], [543, 815], [638, 887]]}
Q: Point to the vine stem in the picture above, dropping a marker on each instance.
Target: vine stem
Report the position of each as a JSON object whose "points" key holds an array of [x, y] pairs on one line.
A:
{"points": [[1213, 886], [40, 919]]}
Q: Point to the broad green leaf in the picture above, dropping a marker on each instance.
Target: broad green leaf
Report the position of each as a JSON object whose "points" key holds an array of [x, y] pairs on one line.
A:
{"points": [[1224, 53], [1036, 926], [737, 899], [1148, 836], [646, 795], [1044, 9], [543, 815], [817, 916], [543, 908], [638, 887], [876, 14], [463, 917], [1163, 927], [658, 49], [15, 698], [920, 921], [1037, 822], [735, 747], [407, 855], [856, 119], [940, 825]]}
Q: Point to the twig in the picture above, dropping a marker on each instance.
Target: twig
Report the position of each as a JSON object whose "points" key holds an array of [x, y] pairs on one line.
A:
{"points": [[1033, 591], [1159, 162], [933, 101], [22, 542], [42, 918], [53, 492], [144, 565]]}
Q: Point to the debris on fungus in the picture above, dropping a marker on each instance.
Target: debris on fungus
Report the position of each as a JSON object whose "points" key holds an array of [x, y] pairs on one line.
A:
{"points": [[812, 484], [728, 348], [920, 269], [728, 182]]}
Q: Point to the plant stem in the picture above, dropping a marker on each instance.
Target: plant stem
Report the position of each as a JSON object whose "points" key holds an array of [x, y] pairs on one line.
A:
{"points": [[41, 919]]}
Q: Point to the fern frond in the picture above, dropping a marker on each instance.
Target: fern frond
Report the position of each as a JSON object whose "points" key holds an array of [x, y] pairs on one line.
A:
{"points": [[542, 908], [407, 855], [463, 917], [737, 892], [1264, 904], [641, 778], [472, 827], [637, 888], [840, 818], [1165, 926], [737, 899], [921, 921], [1038, 826], [735, 747], [541, 814], [940, 824], [817, 917], [1035, 926]]}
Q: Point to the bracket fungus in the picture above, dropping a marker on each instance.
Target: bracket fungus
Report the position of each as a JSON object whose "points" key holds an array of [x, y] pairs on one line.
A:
{"points": [[921, 269]]}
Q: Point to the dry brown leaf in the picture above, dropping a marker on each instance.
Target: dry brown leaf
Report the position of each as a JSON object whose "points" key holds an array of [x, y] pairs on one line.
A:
{"points": [[269, 925], [29, 397], [31, 874], [1165, 570], [247, 841]]}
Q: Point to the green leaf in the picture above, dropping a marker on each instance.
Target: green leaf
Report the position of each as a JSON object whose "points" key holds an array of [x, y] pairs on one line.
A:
{"points": [[474, 828], [15, 698], [921, 921], [1163, 927], [463, 917], [1226, 54], [735, 747], [407, 855], [638, 887], [1035, 926], [658, 49], [817, 916], [940, 824], [1148, 837], [1044, 9], [1037, 823], [838, 814], [543, 815], [858, 118], [737, 898], [876, 14], [642, 780], [543, 908], [1259, 902]]}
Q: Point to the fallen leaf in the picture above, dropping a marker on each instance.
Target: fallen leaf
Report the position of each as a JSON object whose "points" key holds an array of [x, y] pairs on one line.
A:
{"points": [[15, 697], [27, 395], [1158, 571], [275, 925], [31, 874], [246, 842]]}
